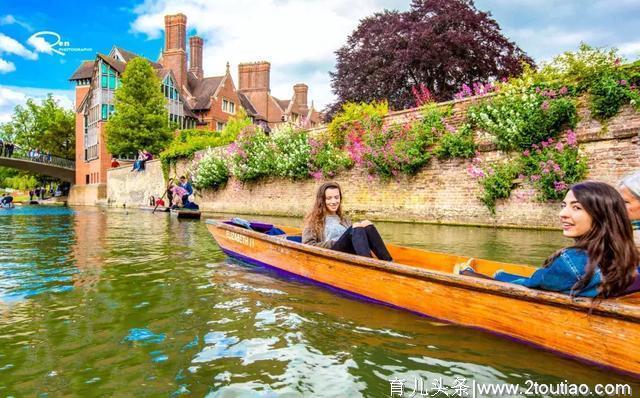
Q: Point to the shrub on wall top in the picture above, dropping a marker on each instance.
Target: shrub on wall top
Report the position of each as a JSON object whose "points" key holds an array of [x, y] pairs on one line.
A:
{"points": [[369, 116]]}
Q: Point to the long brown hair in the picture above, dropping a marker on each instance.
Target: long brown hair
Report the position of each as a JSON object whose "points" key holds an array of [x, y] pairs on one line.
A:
{"points": [[315, 218], [609, 243]]}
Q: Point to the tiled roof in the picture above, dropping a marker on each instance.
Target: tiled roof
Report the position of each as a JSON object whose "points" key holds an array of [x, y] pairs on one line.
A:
{"points": [[114, 63], [247, 105], [284, 104], [84, 71], [128, 56], [204, 90]]}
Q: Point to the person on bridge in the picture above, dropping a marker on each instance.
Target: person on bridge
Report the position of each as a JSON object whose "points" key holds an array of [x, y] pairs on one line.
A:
{"points": [[31, 194], [1, 147], [114, 163], [8, 149]]}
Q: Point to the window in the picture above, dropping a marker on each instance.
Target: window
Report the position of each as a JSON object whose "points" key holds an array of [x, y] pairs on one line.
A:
{"points": [[108, 78], [169, 89], [228, 106], [219, 126]]}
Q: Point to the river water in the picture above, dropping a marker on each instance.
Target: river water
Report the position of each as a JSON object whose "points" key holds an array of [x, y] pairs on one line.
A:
{"points": [[97, 302]]}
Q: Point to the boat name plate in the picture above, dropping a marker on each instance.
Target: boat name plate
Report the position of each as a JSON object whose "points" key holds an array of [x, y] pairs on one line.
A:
{"points": [[243, 240]]}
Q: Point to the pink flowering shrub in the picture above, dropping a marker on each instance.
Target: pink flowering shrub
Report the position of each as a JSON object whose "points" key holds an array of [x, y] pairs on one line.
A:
{"points": [[476, 89], [402, 148], [552, 166], [325, 160]]}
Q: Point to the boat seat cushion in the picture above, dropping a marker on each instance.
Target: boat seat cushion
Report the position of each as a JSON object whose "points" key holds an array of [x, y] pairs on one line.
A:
{"points": [[295, 238]]}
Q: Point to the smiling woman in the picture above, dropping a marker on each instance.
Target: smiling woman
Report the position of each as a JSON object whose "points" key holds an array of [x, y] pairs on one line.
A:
{"points": [[603, 261], [325, 226]]}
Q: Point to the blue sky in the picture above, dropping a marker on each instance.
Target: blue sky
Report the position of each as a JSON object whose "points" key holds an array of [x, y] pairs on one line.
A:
{"points": [[298, 37]]}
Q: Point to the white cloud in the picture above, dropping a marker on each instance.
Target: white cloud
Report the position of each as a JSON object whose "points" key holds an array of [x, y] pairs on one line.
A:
{"points": [[10, 96], [10, 45], [285, 33], [40, 44], [10, 20], [631, 50], [6, 66]]}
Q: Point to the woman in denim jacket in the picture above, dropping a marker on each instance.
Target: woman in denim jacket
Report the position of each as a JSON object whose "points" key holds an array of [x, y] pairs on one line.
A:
{"points": [[603, 260]]}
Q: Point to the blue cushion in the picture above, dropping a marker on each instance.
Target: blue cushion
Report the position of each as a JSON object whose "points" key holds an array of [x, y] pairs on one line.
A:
{"points": [[295, 238]]}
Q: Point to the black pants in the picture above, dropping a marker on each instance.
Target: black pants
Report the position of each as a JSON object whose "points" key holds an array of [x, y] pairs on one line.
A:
{"points": [[362, 241]]}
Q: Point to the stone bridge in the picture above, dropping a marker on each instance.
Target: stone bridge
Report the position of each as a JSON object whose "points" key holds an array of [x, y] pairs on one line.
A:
{"points": [[52, 166]]}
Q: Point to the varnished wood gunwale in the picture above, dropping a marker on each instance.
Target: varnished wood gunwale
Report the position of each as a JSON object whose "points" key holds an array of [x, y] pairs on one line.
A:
{"points": [[578, 329]]}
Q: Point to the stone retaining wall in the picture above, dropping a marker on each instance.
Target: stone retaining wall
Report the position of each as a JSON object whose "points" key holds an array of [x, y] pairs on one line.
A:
{"points": [[443, 192]]}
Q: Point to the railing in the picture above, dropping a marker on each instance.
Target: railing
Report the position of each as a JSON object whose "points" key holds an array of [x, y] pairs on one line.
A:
{"points": [[33, 156]]}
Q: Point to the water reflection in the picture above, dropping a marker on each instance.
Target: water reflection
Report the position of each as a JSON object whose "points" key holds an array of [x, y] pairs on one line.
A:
{"points": [[156, 309]]}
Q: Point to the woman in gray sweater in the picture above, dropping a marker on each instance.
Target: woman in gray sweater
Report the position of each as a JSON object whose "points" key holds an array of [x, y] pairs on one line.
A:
{"points": [[325, 226]]}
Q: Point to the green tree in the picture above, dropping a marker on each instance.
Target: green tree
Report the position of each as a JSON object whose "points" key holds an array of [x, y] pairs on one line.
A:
{"points": [[140, 120], [46, 126]]}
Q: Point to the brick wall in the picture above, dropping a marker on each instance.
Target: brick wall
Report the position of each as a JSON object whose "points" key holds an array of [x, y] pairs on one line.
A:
{"points": [[443, 192]]}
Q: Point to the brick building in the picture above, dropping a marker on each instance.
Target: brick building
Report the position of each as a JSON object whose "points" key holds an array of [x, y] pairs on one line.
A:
{"points": [[193, 101]]}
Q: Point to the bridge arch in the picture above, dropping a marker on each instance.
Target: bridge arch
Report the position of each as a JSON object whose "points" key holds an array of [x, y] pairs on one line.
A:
{"points": [[52, 166]]}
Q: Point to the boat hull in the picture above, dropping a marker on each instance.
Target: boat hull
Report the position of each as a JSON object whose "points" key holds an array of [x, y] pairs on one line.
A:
{"points": [[186, 214], [605, 334]]}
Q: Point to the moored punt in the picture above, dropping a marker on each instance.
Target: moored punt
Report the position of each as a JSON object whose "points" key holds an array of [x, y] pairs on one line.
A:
{"points": [[186, 214], [159, 209], [603, 333]]}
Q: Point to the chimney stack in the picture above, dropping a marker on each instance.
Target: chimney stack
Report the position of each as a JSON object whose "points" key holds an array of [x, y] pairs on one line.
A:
{"points": [[174, 56], [195, 56], [300, 92], [254, 76]]}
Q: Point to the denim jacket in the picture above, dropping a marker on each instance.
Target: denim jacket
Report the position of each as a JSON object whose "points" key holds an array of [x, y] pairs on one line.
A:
{"points": [[559, 276], [636, 232]]}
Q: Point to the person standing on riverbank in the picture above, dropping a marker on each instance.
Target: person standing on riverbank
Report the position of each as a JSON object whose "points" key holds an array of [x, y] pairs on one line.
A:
{"points": [[629, 188]]}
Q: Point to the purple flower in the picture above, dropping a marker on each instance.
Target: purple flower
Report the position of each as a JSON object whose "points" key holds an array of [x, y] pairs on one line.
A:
{"points": [[572, 140], [559, 186], [550, 140], [623, 82], [545, 105], [559, 147], [522, 176], [563, 91], [317, 175], [544, 144], [535, 177], [526, 152], [537, 89], [535, 146]]}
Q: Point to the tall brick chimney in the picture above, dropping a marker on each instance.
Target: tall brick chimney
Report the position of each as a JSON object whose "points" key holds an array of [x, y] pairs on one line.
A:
{"points": [[254, 76], [300, 91], [174, 56], [195, 56]]}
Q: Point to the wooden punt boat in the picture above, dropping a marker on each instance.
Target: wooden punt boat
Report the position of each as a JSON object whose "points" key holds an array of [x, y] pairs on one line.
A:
{"points": [[604, 333], [186, 214]]}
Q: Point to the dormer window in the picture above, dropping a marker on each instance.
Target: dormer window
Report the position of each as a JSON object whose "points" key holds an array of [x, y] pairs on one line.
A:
{"points": [[228, 106], [108, 77]]}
